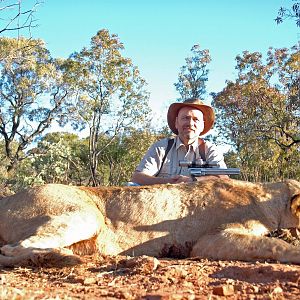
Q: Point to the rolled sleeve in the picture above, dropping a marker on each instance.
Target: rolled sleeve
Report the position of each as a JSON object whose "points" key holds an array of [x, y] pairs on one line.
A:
{"points": [[152, 160]]}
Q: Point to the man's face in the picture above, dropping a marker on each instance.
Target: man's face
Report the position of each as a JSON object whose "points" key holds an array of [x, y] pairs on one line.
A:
{"points": [[189, 124]]}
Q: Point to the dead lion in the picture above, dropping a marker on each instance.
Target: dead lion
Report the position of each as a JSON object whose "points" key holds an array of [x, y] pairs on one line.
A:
{"points": [[218, 219]]}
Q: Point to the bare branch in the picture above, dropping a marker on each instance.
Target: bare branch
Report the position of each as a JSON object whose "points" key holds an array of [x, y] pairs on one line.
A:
{"points": [[289, 13], [16, 19]]}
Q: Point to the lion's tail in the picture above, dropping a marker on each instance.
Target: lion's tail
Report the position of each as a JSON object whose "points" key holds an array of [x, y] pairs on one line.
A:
{"points": [[40, 257]]}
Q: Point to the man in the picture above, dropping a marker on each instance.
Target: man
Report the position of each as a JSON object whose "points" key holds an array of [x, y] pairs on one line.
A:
{"points": [[188, 120]]}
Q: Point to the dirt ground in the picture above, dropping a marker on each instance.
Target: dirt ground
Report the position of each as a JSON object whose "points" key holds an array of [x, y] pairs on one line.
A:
{"points": [[145, 277]]}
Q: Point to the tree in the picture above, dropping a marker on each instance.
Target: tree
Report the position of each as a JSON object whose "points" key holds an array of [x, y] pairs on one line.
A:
{"points": [[259, 114], [109, 93], [123, 155], [14, 17], [194, 75], [59, 157], [289, 13], [79, 148], [32, 95]]}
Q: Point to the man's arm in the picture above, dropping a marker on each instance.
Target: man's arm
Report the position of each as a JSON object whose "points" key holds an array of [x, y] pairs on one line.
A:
{"points": [[145, 179]]}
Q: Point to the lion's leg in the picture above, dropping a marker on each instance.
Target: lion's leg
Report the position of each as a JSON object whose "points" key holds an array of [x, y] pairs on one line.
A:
{"points": [[38, 257], [57, 233], [240, 243]]}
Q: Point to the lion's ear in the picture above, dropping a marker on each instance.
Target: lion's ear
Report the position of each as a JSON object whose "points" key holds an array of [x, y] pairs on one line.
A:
{"points": [[295, 205]]}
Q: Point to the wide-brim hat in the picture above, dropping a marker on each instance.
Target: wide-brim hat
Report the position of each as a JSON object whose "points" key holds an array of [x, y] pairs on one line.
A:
{"points": [[208, 113]]}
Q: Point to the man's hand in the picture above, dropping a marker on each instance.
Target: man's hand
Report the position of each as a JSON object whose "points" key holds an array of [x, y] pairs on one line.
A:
{"points": [[180, 179]]}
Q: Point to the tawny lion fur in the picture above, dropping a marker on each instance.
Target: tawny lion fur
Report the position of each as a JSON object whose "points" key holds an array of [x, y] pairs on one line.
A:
{"points": [[218, 219]]}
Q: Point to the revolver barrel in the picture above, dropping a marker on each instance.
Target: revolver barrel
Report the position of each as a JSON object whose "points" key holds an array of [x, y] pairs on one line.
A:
{"points": [[214, 171]]}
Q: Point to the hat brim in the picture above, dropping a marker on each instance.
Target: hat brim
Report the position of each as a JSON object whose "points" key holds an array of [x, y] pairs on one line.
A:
{"points": [[208, 115]]}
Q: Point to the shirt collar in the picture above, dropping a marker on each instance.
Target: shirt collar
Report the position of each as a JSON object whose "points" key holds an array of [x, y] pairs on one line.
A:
{"points": [[179, 143]]}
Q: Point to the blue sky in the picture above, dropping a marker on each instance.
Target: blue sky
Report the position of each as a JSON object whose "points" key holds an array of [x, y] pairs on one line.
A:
{"points": [[159, 34]]}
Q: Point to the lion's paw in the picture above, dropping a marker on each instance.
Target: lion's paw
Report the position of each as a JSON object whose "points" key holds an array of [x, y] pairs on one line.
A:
{"points": [[9, 250]]}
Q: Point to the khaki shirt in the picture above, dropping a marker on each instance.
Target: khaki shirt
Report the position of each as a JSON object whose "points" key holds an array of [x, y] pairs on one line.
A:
{"points": [[151, 162]]}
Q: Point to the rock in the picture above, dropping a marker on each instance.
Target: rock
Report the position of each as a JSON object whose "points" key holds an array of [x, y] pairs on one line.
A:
{"points": [[223, 290]]}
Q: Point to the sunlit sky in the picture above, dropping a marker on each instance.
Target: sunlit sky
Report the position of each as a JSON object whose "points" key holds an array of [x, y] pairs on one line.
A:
{"points": [[159, 34]]}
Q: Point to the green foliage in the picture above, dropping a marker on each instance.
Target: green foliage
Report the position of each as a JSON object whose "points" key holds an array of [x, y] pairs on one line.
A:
{"points": [[32, 94], [97, 87], [58, 158], [63, 158], [52, 164], [121, 157], [108, 92], [4, 176], [194, 75], [259, 114]]}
